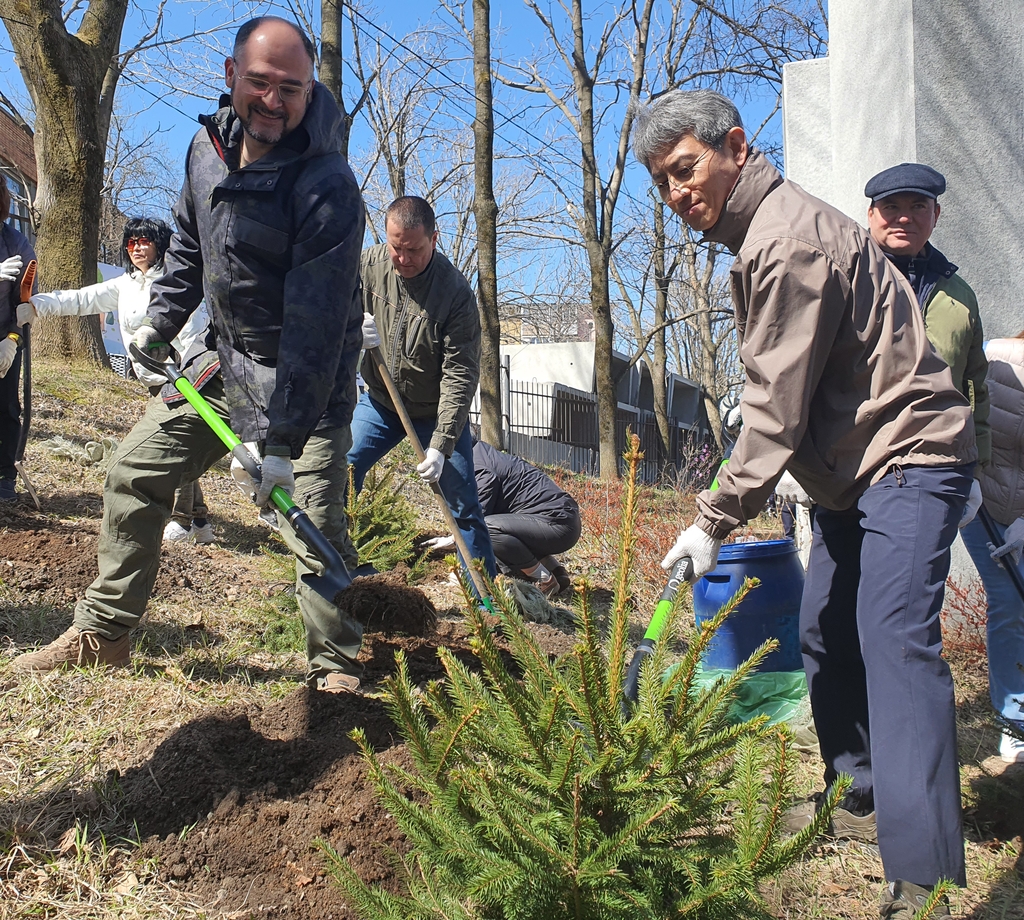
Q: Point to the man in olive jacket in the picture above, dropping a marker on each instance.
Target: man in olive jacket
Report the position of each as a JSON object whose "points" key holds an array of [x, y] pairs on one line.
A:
{"points": [[903, 213], [844, 390], [421, 314], [270, 227]]}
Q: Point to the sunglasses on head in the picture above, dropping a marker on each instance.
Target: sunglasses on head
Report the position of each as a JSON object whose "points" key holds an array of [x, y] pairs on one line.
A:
{"points": [[137, 241]]}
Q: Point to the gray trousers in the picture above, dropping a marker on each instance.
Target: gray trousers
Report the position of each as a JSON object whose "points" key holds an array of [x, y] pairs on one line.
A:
{"points": [[171, 447]]}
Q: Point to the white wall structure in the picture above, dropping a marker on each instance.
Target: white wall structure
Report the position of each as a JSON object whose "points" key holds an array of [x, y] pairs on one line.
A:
{"points": [[939, 82], [928, 81]]}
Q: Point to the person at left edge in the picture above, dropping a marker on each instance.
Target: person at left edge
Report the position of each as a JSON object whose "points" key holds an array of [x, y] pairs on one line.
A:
{"points": [[270, 228], [15, 254]]}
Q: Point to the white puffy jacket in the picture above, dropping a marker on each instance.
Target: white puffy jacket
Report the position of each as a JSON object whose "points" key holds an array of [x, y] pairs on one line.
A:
{"points": [[128, 296]]}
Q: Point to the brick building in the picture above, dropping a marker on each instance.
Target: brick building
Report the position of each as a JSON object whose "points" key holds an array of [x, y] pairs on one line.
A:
{"points": [[18, 165]]}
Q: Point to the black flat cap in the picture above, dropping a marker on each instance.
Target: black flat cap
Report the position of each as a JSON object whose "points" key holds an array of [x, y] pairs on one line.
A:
{"points": [[907, 177]]}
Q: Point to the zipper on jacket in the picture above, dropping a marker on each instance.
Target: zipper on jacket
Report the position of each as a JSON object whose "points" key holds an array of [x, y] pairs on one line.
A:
{"points": [[396, 339]]}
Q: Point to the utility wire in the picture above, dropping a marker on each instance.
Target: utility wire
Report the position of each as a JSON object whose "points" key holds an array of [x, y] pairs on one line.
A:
{"points": [[507, 119]]}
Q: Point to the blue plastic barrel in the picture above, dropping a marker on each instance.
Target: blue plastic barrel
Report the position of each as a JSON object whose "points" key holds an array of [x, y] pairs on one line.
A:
{"points": [[769, 611]]}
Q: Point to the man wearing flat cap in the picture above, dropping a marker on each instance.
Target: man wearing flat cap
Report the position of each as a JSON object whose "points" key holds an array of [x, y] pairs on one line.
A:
{"points": [[903, 212]]}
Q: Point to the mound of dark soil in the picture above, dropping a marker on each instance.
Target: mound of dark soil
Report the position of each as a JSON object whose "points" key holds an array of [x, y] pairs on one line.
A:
{"points": [[385, 603], [231, 805], [57, 562]]}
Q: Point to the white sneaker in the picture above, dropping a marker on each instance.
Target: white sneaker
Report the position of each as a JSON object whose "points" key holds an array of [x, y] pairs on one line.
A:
{"points": [[203, 534], [1011, 750], [174, 531]]}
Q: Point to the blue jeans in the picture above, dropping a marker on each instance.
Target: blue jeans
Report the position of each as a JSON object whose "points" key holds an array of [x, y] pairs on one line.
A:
{"points": [[1005, 624], [376, 429], [881, 693]]}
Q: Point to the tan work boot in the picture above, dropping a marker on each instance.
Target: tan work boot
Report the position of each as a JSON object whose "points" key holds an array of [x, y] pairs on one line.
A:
{"points": [[337, 682], [76, 648]]}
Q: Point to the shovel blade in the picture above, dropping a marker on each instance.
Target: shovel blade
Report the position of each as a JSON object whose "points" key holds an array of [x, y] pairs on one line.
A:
{"points": [[328, 586]]}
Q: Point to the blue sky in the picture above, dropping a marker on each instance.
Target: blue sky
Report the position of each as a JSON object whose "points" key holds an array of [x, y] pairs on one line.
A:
{"points": [[515, 34]]}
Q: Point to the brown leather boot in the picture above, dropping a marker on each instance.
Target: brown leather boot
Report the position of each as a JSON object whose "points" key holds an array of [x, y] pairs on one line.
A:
{"points": [[337, 682], [76, 648]]}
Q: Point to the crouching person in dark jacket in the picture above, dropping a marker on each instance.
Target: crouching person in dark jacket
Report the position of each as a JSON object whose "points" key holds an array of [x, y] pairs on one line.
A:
{"points": [[529, 518], [270, 228]]}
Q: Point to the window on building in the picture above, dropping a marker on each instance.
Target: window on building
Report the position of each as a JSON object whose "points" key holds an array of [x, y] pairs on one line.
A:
{"points": [[21, 194]]}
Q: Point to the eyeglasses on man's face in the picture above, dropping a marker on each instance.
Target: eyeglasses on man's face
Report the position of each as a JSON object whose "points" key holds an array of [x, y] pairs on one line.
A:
{"points": [[680, 178], [135, 241], [286, 92]]}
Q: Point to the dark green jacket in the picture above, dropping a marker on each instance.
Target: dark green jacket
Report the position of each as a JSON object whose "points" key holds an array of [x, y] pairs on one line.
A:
{"points": [[953, 324], [430, 339]]}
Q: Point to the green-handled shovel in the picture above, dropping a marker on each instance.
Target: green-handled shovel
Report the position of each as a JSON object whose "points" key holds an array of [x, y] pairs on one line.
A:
{"points": [[682, 572], [335, 577]]}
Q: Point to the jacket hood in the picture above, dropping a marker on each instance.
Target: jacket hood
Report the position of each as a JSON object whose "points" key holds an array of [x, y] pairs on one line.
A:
{"points": [[756, 179], [317, 134]]}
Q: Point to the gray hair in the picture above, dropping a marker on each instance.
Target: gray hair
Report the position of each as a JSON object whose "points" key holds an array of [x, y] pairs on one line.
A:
{"points": [[661, 124]]}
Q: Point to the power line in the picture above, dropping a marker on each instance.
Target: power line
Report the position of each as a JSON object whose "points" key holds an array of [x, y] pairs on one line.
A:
{"points": [[508, 119]]}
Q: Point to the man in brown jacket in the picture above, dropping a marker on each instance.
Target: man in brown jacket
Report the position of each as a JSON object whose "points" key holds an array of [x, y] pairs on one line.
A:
{"points": [[843, 390]]}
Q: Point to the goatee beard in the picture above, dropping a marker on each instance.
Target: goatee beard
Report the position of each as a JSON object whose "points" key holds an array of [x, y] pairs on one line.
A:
{"points": [[262, 137]]}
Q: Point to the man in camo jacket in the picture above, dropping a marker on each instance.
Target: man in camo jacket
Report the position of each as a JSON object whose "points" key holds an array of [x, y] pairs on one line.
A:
{"points": [[270, 228]]}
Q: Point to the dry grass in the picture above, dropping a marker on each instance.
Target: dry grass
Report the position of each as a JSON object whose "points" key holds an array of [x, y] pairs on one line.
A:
{"points": [[62, 735]]}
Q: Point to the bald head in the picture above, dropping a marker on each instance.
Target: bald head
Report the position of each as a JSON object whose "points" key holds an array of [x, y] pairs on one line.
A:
{"points": [[273, 28], [271, 80]]}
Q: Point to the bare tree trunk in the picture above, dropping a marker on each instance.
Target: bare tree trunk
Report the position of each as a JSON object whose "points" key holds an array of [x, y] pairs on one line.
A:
{"points": [[72, 79], [598, 213], [485, 209], [330, 63], [709, 377], [659, 361]]}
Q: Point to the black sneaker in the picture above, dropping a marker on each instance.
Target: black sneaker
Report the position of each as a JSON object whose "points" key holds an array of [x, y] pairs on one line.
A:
{"points": [[8, 490]]}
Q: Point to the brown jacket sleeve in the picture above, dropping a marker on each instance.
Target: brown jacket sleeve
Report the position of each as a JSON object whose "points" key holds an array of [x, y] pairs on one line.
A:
{"points": [[790, 300]]}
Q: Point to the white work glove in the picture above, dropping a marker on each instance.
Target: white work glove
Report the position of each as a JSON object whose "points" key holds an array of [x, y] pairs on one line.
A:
{"points": [[430, 468], [10, 269], [789, 490], [973, 504], [277, 471], [27, 314], [439, 543], [8, 349], [151, 343], [702, 550], [243, 480], [371, 338], [1013, 545]]}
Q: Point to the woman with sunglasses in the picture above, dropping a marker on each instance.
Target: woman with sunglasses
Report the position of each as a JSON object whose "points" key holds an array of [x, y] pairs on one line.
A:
{"points": [[143, 246]]}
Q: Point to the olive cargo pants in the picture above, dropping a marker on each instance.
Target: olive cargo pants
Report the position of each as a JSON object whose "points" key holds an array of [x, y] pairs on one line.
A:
{"points": [[171, 446]]}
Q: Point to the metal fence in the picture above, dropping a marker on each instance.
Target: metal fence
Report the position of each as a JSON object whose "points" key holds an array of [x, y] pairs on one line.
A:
{"points": [[554, 424]]}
